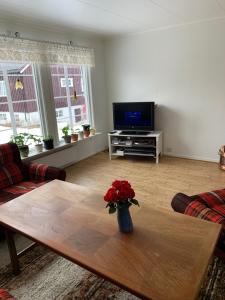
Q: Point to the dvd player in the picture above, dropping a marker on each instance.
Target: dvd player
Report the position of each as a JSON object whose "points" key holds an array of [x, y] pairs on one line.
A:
{"points": [[134, 150], [135, 132]]}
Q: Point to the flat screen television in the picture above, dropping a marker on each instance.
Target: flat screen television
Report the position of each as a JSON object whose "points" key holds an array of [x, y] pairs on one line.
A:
{"points": [[134, 116]]}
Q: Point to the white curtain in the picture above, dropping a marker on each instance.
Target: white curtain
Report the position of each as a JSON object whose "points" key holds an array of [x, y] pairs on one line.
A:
{"points": [[22, 50]]}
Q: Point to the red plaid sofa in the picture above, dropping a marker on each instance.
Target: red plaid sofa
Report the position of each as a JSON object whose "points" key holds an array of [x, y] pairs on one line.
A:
{"points": [[4, 295], [18, 178], [208, 206]]}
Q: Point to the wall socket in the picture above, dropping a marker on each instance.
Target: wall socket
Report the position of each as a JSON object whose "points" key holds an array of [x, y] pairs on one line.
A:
{"points": [[168, 150]]}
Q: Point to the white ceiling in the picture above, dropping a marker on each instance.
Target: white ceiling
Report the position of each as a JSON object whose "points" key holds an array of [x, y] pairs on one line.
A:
{"points": [[110, 17]]}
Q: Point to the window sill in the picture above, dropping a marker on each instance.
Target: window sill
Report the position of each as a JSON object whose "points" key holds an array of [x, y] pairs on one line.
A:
{"points": [[33, 154]]}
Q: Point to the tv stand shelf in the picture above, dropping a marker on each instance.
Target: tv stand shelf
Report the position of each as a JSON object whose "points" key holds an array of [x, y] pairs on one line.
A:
{"points": [[124, 143]]}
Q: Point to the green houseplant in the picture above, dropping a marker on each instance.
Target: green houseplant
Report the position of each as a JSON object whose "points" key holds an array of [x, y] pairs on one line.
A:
{"points": [[67, 136], [37, 142], [22, 139], [48, 142]]}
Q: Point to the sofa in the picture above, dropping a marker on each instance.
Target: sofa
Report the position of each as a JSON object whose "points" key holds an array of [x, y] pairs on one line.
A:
{"points": [[208, 206], [18, 177], [4, 295]]}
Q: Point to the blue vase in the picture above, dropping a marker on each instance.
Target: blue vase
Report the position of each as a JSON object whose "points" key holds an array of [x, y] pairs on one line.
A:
{"points": [[124, 220]]}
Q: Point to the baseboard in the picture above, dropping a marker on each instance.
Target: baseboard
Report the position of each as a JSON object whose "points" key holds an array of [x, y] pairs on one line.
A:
{"points": [[192, 157], [165, 153], [76, 161]]}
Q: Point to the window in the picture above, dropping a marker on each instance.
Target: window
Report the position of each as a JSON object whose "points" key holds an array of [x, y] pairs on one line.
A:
{"points": [[79, 114], [63, 82], [3, 117], [70, 95], [59, 113], [17, 117], [20, 105], [2, 89]]}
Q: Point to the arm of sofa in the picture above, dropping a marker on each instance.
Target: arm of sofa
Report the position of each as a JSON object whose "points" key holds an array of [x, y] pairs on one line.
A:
{"points": [[180, 202], [42, 172]]}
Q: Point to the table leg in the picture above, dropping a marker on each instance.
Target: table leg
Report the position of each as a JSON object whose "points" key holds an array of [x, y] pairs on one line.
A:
{"points": [[12, 251]]}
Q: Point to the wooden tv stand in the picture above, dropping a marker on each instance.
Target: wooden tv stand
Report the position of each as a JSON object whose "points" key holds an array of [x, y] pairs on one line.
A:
{"points": [[147, 144]]}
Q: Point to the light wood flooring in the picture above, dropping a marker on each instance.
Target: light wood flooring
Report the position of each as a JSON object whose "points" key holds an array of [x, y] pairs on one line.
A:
{"points": [[154, 184]]}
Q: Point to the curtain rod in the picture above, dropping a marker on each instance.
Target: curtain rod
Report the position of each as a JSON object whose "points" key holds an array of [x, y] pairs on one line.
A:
{"points": [[18, 37]]}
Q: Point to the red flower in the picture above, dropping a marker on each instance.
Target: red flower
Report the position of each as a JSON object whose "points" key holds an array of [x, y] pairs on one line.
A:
{"points": [[111, 195], [126, 192], [126, 183], [131, 193], [119, 195], [116, 184], [120, 190]]}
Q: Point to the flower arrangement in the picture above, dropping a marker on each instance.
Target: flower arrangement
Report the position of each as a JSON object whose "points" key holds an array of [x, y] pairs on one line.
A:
{"points": [[120, 195]]}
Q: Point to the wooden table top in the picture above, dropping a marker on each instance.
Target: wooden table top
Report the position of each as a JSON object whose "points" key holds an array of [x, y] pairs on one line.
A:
{"points": [[165, 257]]}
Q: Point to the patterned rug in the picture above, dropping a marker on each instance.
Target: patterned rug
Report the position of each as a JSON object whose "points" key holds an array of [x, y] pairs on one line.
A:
{"points": [[47, 276]]}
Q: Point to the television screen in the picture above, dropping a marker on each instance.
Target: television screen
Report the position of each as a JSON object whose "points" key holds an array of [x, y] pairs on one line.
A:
{"points": [[133, 115]]}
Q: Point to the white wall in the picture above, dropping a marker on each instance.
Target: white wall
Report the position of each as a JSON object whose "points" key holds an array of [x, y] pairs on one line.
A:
{"points": [[183, 70], [76, 152], [79, 38]]}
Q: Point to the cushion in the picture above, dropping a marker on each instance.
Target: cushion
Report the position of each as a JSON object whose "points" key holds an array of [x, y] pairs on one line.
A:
{"points": [[4, 295], [10, 173], [37, 171], [17, 190], [9, 153]]}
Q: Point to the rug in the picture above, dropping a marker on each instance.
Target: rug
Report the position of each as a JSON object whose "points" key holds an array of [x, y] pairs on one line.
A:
{"points": [[46, 276]]}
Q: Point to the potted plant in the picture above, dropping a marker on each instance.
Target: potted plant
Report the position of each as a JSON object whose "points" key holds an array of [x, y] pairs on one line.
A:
{"points": [[21, 139], [67, 136], [86, 130], [75, 135], [92, 131], [48, 142], [80, 134], [119, 197], [38, 143]]}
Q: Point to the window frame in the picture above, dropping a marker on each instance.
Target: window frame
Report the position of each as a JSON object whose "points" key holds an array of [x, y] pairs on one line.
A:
{"points": [[2, 83], [10, 102], [86, 86], [41, 74]]}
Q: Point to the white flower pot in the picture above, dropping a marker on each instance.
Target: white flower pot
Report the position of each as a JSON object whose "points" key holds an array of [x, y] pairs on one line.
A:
{"points": [[39, 148]]}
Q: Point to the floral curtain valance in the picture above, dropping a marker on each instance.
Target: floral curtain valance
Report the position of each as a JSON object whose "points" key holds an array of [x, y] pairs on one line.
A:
{"points": [[22, 50]]}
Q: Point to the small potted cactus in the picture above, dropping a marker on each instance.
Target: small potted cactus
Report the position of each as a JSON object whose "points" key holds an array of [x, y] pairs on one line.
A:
{"points": [[48, 142]]}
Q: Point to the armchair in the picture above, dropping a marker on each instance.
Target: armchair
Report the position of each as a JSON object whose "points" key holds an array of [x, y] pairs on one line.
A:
{"points": [[17, 177], [208, 206]]}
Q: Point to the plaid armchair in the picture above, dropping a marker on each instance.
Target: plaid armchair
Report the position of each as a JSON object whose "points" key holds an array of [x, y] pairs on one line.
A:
{"points": [[208, 206], [18, 178], [4, 295]]}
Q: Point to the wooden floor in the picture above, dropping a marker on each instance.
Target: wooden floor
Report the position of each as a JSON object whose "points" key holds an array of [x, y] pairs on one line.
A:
{"points": [[153, 184]]}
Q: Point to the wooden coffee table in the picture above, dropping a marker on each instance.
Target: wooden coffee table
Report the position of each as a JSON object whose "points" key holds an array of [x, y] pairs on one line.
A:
{"points": [[165, 257]]}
